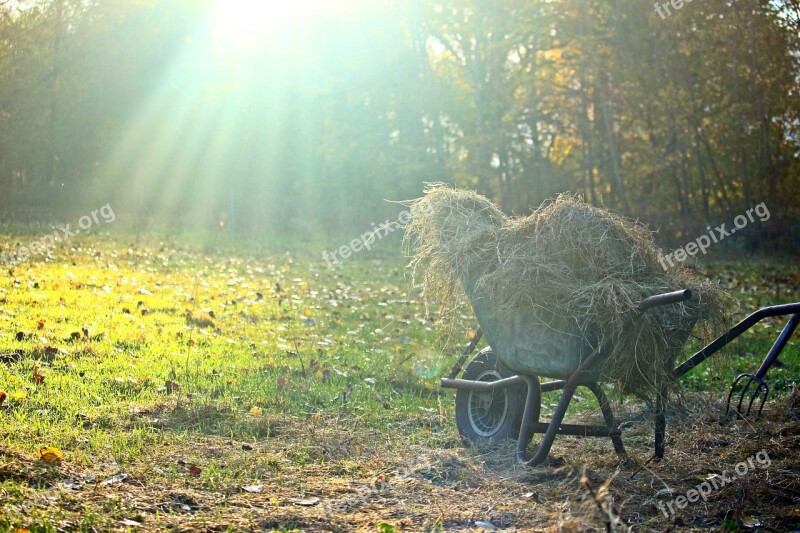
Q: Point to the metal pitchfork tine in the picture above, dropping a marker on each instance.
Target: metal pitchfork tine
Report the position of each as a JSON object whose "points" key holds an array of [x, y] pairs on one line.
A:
{"points": [[758, 377], [761, 384]]}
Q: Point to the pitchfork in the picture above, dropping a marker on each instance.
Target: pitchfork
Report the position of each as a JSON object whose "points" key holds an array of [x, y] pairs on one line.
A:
{"points": [[758, 378]]}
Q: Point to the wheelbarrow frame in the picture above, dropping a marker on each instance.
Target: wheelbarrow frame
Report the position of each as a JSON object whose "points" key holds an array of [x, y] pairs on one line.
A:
{"points": [[586, 375]]}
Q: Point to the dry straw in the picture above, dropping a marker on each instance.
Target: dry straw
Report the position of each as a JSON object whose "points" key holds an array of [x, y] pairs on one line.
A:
{"points": [[568, 264]]}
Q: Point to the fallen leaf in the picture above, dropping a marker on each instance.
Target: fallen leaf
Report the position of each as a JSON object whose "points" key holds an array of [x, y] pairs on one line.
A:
{"points": [[72, 485], [50, 454], [37, 377], [256, 489], [488, 526], [705, 522], [10, 357], [130, 523], [118, 478], [40, 323], [307, 502], [2, 397], [194, 471], [382, 401], [751, 522], [171, 386], [53, 350]]}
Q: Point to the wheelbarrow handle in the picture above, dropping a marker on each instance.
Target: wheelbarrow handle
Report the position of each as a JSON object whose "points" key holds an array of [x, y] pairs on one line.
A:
{"points": [[664, 299]]}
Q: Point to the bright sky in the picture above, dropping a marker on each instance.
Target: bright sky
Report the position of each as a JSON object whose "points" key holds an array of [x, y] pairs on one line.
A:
{"points": [[240, 23], [198, 112]]}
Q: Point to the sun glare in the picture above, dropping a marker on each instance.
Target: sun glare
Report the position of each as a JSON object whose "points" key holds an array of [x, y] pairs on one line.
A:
{"points": [[239, 23]]}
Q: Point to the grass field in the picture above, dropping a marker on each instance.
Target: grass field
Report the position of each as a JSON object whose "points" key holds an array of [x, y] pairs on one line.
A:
{"points": [[210, 389]]}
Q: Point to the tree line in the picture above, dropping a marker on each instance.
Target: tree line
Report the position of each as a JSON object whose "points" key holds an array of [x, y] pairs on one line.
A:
{"points": [[678, 120]]}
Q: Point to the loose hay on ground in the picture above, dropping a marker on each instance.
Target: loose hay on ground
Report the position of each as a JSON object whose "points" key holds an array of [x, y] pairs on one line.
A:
{"points": [[573, 271]]}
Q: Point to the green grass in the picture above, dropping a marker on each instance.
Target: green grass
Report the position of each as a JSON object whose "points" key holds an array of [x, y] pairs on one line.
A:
{"points": [[143, 346], [149, 358]]}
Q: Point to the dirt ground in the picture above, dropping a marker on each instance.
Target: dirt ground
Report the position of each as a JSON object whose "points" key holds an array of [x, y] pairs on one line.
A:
{"points": [[354, 481]]}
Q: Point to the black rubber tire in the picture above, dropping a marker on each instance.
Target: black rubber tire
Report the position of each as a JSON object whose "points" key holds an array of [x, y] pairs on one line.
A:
{"points": [[489, 416]]}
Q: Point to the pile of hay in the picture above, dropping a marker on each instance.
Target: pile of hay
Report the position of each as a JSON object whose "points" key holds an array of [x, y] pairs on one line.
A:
{"points": [[570, 270]]}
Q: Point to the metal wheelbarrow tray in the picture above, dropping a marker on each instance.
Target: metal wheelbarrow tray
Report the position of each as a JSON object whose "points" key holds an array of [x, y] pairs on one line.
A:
{"points": [[489, 398]]}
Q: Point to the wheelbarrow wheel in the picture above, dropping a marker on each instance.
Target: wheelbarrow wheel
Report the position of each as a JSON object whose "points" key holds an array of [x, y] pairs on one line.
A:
{"points": [[489, 416]]}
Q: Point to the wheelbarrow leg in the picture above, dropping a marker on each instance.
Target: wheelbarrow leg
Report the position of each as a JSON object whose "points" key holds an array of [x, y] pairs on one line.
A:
{"points": [[661, 423], [554, 427], [526, 430], [608, 415], [533, 400]]}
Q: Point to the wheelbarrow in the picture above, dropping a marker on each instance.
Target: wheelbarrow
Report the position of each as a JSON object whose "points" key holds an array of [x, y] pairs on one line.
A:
{"points": [[495, 402]]}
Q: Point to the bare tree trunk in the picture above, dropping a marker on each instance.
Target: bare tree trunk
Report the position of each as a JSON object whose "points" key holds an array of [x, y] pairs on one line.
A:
{"points": [[586, 129], [701, 171], [609, 112], [52, 156], [766, 167], [719, 178]]}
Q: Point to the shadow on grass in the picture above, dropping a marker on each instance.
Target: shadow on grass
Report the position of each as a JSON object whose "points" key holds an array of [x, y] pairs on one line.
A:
{"points": [[210, 418]]}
